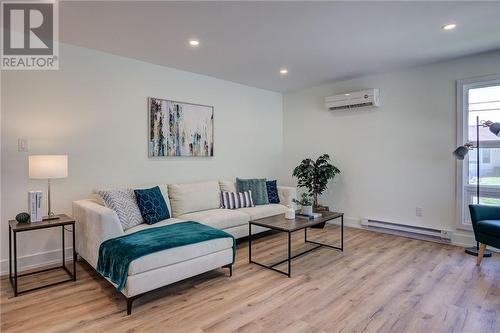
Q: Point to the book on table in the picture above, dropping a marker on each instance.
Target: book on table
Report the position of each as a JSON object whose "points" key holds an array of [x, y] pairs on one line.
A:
{"points": [[35, 206], [309, 217]]}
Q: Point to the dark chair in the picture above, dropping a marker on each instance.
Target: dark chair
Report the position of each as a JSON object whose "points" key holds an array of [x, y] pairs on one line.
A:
{"points": [[486, 225]]}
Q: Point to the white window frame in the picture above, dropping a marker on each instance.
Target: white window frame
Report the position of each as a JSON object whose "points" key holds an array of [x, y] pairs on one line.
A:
{"points": [[463, 87]]}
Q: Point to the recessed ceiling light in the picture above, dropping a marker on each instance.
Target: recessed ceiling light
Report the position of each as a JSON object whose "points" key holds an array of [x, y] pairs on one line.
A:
{"points": [[194, 42], [346, 94], [283, 71], [450, 26]]}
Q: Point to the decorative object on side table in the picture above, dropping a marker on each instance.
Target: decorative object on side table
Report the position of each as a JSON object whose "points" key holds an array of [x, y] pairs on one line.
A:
{"points": [[315, 175], [15, 227], [35, 202], [23, 217], [460, 154], [48, 167]]}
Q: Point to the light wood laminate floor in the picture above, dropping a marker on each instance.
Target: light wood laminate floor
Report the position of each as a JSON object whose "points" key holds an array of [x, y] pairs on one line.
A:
{"points": [[380, 283]]}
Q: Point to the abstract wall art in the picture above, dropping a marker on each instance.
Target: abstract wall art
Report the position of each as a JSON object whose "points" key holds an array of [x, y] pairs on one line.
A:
{"points": [[180, 129]]}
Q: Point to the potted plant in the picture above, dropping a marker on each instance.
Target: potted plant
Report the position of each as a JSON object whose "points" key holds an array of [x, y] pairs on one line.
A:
{"points": [[315, 175], [305, 202]]}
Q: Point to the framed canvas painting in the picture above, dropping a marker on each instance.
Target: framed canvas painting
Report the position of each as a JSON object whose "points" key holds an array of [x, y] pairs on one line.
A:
{"points": [[180, 129]]}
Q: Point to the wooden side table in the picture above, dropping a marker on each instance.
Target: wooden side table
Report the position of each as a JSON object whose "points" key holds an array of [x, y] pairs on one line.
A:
{"points": [[15, 227]]}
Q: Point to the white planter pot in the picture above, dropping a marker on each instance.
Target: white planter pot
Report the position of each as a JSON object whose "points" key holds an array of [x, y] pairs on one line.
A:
{"points": [[307, 210]]}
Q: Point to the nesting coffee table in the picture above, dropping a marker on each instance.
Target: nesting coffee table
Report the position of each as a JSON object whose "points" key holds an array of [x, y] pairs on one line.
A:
{"points": [[279, 223]]}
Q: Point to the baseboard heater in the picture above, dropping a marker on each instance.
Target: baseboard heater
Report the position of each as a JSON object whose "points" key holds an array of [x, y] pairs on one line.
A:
{"points": [[405, 230]]}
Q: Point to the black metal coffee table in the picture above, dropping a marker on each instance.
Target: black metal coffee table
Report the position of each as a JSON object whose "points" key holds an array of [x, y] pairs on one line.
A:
{"points": [[279, 223]]}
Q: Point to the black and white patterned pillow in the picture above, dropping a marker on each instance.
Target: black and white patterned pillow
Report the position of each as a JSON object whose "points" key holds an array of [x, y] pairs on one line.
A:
{"points": [[234, 200], [123, 202]]}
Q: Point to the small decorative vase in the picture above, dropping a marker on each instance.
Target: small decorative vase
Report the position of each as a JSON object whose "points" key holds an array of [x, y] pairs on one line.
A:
{"points": [[307, 210], [23, 217], [289, 213]]}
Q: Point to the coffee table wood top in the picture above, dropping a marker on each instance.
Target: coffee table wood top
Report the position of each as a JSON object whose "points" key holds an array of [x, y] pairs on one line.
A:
{"points": [[278, 222]]}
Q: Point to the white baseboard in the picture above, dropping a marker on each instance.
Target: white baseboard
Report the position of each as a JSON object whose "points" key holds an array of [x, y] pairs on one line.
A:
{"points": [[348, 222], [463, 239], [37, 260]]}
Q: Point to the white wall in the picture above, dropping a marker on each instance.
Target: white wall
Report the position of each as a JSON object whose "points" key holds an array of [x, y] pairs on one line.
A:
{"points": [[95, 110], [393, 158]]}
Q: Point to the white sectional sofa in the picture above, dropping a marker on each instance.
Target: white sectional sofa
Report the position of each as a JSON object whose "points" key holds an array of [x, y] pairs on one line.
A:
{"points": [[200, 202]]}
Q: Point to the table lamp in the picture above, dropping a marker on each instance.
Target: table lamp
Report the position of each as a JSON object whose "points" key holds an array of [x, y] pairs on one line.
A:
{"points": [[48, 167]]}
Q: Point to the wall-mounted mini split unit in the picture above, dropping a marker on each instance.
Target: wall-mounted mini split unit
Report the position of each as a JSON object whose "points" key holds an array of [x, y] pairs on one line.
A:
{"points": [[353, 100]]}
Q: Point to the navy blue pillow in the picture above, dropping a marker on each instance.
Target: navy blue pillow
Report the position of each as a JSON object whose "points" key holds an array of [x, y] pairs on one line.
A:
{"points": [[152, 205], [272, 191]]}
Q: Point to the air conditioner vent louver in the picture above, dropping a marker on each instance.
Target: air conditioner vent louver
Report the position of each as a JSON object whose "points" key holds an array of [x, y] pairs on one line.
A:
{"points": [[353, 100], [346, 107]]}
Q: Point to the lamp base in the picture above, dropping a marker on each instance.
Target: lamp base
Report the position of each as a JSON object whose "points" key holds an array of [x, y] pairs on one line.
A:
{"points": [[473, 251], [50, 217]]}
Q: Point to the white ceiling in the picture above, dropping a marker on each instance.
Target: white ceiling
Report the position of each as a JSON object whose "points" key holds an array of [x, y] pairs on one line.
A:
{"points": [[248, 42]]}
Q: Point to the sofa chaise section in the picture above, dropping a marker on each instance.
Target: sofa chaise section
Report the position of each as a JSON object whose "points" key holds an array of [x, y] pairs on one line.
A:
{"points": [[96, 224]]}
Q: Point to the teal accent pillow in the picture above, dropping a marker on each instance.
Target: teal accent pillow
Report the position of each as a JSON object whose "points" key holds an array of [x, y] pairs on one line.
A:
{"points": [[152, 205], [258, 188]]}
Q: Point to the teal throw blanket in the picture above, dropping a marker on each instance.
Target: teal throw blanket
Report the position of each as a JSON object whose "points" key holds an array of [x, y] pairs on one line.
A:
{"points": [[116, 254]]}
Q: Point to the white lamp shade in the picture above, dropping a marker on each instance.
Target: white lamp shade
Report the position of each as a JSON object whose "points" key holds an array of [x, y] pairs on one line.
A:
{"points": [[48, 166]]}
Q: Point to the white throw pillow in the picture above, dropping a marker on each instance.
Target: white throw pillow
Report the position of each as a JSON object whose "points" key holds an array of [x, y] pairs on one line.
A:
{"points": [[188, 198], [123, 202]]}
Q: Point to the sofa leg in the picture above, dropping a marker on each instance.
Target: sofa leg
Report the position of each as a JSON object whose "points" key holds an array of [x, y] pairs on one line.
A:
{"points": [[482, 248], [230, 266], [130, 300]]}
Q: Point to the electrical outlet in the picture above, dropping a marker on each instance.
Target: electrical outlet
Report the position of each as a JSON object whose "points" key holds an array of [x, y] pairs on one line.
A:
{"points": [[419, 211], [22, 145]]}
